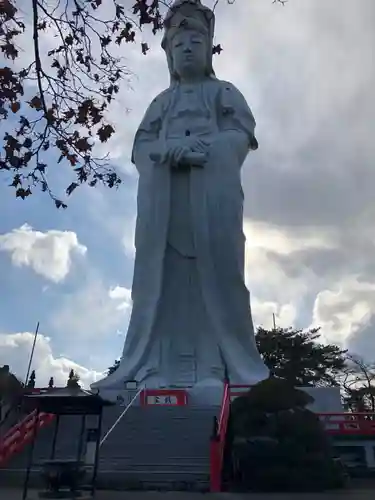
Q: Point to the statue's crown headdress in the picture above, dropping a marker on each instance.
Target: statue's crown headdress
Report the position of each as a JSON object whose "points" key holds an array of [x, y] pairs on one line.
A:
{"points": [[185, 14], [188, 14]]}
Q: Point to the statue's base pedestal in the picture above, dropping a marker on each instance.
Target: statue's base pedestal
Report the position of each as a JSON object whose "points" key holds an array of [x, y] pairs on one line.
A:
{"points": [[207, 393], [210, 393]]}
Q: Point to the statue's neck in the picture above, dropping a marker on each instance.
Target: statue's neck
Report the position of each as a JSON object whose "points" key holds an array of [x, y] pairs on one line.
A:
{"points": [[192, 79]]}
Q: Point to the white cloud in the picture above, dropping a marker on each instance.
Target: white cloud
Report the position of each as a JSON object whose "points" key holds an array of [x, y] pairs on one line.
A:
{"points": [[344, 310], [49, 254], [285, 314], [273, 238], [15, 349], [122, 296], [307, 73], [274, 271], [128, 239], [93, 312]]}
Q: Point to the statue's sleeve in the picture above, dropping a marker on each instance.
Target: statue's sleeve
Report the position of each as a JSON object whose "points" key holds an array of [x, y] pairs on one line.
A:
{"points": [[147, 137], [235, 114]]}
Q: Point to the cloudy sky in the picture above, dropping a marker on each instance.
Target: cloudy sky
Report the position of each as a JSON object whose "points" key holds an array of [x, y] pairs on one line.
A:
{"points": [[308, 73]]}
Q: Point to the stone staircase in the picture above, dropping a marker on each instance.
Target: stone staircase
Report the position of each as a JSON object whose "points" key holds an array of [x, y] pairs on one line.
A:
{"points": [[159, 447], [152, 447]]}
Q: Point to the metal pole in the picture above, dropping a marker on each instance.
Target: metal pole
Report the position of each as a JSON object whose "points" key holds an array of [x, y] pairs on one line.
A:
{"points": [[97, 447], [81, 438], [120, 417], [55, 433], [30, 455], [32, 354]]}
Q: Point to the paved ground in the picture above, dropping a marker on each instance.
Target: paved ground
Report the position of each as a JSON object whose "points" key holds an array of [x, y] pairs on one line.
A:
{"points": [[112, 495]]}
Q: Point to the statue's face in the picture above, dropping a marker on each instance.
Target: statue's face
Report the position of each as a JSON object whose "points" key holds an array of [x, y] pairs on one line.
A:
{"points": [[189, 53]]}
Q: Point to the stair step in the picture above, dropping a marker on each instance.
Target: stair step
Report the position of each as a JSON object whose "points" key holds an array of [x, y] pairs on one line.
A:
{"points": [[150, 445]]}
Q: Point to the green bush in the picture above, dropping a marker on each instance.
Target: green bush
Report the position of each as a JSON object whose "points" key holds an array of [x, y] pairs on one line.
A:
{"points": [[278, 444]]}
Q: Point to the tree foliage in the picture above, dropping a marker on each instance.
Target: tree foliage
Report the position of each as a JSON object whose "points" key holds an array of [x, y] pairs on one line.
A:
{"points": [[31, 382], [11, 393], [282, 443], [71, 87], [56, 104], [73, 380], [113, 367], [358, 384], [298, 357]]}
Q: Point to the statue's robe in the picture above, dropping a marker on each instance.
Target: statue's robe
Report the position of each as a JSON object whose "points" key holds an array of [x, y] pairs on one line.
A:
{"points": [[191, 318]]}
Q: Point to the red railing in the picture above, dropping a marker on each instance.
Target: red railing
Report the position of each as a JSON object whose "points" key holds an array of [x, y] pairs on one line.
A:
{"points": [[217, 445], [342, 424], [21, 434], [348, 424]]}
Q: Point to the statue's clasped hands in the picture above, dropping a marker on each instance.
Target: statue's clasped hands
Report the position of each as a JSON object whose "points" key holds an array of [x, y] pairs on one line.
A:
{"points": [[189, 152]]}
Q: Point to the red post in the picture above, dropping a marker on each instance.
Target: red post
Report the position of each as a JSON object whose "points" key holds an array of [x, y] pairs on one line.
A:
{"points": [[215, 469]]}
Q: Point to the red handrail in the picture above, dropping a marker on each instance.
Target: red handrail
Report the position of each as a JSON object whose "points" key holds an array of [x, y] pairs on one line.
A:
{"points": [[334, 424], [348, 423], [22, 433], [217, 446]]}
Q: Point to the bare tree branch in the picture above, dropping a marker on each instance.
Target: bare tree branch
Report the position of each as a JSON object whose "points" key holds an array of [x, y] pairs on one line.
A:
{"points": [[60, 102]]}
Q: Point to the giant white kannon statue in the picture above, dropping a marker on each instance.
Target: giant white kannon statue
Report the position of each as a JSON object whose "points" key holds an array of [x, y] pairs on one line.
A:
{"points": [[191, 321]]}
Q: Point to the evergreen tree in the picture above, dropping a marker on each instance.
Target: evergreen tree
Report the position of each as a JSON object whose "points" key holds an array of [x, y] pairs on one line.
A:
{"points": [[298, 357], [31, 382], [73, 380], [114, 367]]}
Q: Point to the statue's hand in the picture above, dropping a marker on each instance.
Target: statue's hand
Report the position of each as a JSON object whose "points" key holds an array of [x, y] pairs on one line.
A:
{"points": [[182, 156], [190, 151], [196, 145]]}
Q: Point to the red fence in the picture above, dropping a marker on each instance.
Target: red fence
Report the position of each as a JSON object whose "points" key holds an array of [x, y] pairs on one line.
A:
{"points": [[21, 434], [354, 424], [348, 424], [340, 424], [217, 445]]}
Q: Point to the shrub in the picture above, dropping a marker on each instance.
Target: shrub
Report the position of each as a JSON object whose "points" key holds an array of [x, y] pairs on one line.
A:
{"points": [[278, 444]]}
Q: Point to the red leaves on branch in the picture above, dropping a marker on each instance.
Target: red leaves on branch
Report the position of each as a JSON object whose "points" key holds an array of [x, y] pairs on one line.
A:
{"points": [[64, 95]]}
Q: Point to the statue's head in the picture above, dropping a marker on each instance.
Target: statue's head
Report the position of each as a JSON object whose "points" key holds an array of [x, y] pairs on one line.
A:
{"points": [[188, 39]]}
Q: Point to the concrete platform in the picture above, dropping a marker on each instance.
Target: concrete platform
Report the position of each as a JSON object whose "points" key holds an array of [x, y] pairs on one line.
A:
{"points": [[360, 494]]}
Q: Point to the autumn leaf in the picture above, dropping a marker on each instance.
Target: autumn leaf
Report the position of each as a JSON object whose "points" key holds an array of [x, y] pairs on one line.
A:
{"points": [[105, 132], [60, 204], [41, 167], [36, 103], [72, 159], [7, 10], [69, 40], [15, 106], [82, 144], [81, 174], [23, 193], [16, 181], [75, 86], [71, 188]]}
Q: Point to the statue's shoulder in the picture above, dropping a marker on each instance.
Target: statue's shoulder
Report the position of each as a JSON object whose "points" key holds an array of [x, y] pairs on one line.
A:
{"points": [[161, 99], [228, 88]]}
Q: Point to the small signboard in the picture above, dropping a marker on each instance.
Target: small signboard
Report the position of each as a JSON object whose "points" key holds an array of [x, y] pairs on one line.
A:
{"points": [[164, 397], [162, 400]]}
